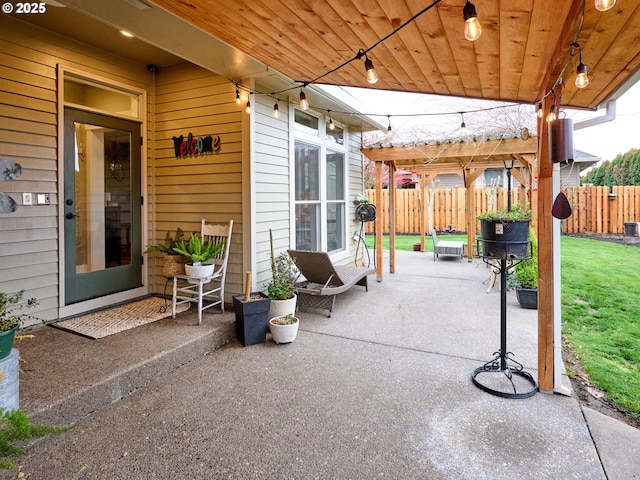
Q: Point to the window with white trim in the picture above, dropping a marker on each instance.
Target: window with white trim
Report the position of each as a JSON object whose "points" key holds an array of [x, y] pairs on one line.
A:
{"points": [[320, 184]]}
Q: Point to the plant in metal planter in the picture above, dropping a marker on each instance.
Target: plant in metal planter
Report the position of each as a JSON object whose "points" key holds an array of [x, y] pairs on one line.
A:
{"points": [[198, 251], [504, 234]]}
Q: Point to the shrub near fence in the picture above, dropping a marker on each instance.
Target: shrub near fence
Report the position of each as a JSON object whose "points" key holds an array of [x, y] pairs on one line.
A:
{"points": [[595, 210]]}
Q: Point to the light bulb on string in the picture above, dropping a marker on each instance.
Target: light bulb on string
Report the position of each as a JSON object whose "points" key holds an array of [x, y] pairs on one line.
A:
{"points": [[247, 108], [472, 28], [372, 76], [604, 5], [238, 101], [389, 131], [540, 111], [276, 109], [551, 116], [582, 79], [304, 104], [332, 125], [463, 126]]}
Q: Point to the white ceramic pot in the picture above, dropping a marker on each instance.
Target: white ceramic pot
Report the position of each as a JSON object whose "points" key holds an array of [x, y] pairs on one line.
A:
{"points": [[199, 271], [282, 308], [283, 333]]}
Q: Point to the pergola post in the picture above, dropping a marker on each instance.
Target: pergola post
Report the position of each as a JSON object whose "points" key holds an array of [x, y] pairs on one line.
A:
{"points": [[423, 211], [392, 217], [378, 222]]}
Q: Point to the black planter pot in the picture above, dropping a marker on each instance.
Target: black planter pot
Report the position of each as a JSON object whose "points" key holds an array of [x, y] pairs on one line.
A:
{"points": [[505, 240], [527, 297], [252, 318]]}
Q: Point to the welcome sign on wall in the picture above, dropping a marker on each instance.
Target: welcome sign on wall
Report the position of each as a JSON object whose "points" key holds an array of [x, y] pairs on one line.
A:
{"points": [[190, 145]]}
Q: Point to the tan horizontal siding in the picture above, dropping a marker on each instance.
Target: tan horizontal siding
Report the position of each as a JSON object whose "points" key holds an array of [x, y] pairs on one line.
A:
{"points": [[184, 190], [29, 59]]}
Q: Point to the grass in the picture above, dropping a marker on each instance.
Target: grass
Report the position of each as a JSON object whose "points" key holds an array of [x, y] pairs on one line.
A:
{"points": [[405, 242], [15, 426], [600, 311]]}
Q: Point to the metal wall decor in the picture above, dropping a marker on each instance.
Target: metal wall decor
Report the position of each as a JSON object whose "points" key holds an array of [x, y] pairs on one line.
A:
{"points": [[191, 145]]}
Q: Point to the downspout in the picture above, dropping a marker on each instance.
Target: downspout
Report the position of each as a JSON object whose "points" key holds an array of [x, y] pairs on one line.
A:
{"points": [[609, 116]]}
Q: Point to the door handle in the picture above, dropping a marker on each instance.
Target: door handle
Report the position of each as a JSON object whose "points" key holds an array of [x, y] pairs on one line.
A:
{"points": [[70, 215]]}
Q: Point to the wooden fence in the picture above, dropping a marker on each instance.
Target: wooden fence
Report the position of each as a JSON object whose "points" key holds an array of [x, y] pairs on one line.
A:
{"points": [[595, 210]]}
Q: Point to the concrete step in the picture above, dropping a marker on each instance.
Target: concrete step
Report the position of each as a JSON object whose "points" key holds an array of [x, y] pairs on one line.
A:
{"points": [[65, 377]]}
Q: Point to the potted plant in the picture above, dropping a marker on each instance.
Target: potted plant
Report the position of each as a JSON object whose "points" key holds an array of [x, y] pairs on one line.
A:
{"points": [[526, 278], [12, 316], [252, 314], [282, 287], [198, 251], [284, 328], [504, 234], [173, 261]]}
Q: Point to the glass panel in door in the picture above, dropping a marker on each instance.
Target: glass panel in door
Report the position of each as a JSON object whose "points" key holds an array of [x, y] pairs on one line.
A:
{"points": [[101, 205]]}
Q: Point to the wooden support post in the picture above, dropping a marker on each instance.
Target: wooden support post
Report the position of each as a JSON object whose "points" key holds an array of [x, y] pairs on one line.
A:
{"points": [[378, 222], [423, 211], [545, 255], [471, 218], [392, 217]]}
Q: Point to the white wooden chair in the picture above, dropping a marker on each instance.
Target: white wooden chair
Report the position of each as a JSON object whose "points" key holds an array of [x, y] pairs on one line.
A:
{"points": [[209, 291]]}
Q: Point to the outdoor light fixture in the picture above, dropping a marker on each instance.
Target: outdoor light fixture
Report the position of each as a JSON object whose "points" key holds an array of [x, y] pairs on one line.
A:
{"points": [[238, 101], [332, 125], [551, 116], [582, 80], [276, 109], [472, 28], [304, 104], [604, 5], [372, 76], [130, 35], [463, 126], [540, 111], [248, 107], [508, 165], [389, 131]]}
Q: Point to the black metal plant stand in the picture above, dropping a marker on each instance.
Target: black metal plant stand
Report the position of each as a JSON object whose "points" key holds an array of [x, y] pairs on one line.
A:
{"points": [[503, 363]]}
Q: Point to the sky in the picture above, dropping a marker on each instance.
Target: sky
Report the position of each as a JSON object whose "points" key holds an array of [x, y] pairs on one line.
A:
{"points": [[605, 141]]}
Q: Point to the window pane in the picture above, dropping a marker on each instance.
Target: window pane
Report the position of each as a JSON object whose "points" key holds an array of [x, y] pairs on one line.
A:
{"points": [[335, 226], [101, 97], [308, 226], [335, 176], [307, 171], [306, 123], [493, 175], [336, 135]]}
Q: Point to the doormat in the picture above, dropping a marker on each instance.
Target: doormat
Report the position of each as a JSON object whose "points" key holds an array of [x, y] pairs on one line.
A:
{"points": [[119, 319]]}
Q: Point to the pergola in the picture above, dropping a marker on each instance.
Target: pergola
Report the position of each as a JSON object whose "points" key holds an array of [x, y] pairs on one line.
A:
{"points": [[466, 159], [529, 52]]}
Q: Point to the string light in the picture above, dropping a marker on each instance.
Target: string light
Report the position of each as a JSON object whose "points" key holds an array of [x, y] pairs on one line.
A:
{"points": [[472, 28], [582, 80], [332, 125], [604, 5], [389, 131], [539, 109], [463, 126], [238, 101], [276, 109], [551, 116], [248, 107], [304, 104]]}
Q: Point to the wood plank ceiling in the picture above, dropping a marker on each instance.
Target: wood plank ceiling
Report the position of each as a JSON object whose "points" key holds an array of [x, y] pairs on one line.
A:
{"points": [[524, 49]]}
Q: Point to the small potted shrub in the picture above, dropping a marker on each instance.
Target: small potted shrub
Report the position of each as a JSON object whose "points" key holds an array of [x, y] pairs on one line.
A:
{"points": [[173, 261], [12, 317], [199, 252], [526, 278], [282, 287], [284, 328]]}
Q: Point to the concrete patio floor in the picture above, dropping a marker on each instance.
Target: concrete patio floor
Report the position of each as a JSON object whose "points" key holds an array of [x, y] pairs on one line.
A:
{"points": [[381, 389]]}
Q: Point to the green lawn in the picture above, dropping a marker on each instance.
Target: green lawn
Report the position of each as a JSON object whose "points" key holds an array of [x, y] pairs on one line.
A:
{"points": [[600, 311]]}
